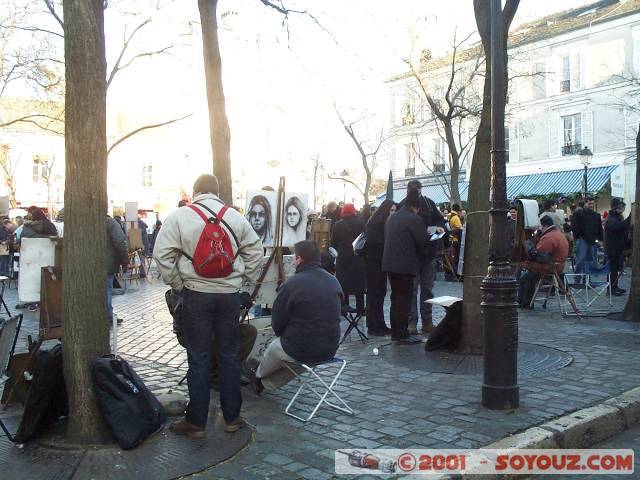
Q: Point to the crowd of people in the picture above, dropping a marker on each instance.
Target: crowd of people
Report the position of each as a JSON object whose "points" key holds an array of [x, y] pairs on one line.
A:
{"points": [[402, 242]]}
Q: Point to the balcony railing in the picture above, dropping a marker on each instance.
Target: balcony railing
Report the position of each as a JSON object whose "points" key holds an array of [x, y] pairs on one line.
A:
{"points": [[409, 172], [565, 86], [571, 149]]}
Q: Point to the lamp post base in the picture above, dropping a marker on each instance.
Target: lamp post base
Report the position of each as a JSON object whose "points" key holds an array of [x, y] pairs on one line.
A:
{"points": [[501, 398]]}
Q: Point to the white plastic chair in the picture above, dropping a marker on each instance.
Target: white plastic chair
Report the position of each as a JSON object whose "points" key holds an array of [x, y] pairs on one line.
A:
{"points": [[307, 378]]}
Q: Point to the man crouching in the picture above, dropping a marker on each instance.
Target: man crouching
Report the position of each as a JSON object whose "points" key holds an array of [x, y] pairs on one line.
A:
{"points": [[305, 318]]}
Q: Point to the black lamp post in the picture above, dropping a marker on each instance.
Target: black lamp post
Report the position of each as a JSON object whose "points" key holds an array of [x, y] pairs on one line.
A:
{"points": [[498, 309], [585, 157]]}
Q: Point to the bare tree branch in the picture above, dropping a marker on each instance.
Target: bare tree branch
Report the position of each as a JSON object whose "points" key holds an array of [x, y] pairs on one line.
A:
{"points": [[344, 179], [52, 9], [141, 129], [116, 67]]}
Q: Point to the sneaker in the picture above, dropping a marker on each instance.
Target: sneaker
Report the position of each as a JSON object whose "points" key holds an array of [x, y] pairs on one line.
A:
{"points": [[33, 307], [249, 369], [189, 429], [234, 426]]}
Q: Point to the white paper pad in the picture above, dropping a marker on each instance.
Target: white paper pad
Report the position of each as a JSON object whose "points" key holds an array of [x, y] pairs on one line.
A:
{"points": [[444, 301]]}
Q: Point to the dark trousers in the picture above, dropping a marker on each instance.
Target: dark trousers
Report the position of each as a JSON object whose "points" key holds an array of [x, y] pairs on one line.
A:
{"points": [[248, 335], [401, 291], [526, 288], [376, 291], [359, 302], [206, 315], [616, 263]]}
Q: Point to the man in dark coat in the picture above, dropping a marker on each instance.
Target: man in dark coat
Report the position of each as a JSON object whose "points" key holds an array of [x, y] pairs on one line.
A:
{"points": [[39, 225], [405, 248], [425, 278], [306, 319], [587, 232], [117, 255], [350, 269], [616, 231]]}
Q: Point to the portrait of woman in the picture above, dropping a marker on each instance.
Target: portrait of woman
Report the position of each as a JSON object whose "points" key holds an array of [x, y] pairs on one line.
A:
{"points": [[295, 216], [259, 215]]}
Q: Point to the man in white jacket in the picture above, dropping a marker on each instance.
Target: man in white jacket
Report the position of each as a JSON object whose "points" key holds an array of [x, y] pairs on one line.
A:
{"points": [[211, 306]]}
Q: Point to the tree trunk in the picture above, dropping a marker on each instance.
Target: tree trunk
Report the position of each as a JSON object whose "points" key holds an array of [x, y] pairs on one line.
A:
{"points": [[218, 122], [84, 281], [632, 308], [476, 249]]}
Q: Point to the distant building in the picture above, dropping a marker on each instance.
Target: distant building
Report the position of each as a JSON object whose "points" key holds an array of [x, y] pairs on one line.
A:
{"points": [[569, 89]]}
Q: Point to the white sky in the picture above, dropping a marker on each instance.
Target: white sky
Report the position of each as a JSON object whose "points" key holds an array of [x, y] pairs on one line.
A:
{"points": [[280, 90]]}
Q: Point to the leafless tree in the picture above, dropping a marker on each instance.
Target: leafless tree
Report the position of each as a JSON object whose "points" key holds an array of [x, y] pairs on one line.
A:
{"points": [[316, 165], [8, 167], [451, 108], [477, 224], [367, 151]]}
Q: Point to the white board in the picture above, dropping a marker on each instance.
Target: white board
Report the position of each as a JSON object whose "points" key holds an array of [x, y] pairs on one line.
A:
{"points": [[131, 211], [267, 293], [261, 214], [35, 253], [618, 183]]}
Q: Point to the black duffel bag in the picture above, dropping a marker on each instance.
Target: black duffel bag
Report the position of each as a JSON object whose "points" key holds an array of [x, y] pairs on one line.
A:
{"points": [[130, 410], [46, 399]]}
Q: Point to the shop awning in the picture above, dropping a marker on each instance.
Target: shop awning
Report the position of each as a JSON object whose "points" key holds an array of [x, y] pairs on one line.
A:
{"points": [[564, 182]]}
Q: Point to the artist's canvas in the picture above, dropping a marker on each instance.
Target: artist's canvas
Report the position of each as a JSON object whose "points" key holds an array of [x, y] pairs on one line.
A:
{"points": [[268, 288], [261, 214], [294, 218]]}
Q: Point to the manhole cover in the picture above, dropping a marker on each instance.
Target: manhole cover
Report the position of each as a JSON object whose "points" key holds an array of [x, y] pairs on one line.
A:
{"points": [[532, 359]]}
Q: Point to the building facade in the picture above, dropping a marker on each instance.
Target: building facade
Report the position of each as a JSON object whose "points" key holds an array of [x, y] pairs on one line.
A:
{"points": [[574, 82]]}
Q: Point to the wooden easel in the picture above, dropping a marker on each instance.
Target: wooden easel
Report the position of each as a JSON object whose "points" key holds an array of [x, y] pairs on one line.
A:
{"points": [[276, 254]]}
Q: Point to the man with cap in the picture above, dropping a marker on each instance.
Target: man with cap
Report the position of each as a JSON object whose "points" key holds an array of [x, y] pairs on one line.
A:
{"points": [[549, 256], [616, 233], [425, 278]]}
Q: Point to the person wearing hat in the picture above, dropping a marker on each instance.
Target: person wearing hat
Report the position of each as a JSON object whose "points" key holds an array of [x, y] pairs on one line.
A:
{"points": [[548, 256], [616, 231]]}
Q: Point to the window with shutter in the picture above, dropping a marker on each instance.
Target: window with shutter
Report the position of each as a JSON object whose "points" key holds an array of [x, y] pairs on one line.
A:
{"points": [[587, 130], [571, 134], [576, 72], [631, 121], [554, 143]]}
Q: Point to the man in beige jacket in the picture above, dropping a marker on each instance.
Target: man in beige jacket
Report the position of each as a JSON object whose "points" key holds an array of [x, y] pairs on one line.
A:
{"points": [[211, 306]]}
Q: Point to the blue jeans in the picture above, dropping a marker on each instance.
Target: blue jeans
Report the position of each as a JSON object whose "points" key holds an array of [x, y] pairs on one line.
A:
{"points": [[110, 296], [585, 255], [206, 315]]}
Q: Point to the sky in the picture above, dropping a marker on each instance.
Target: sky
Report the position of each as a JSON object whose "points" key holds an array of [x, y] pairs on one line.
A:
{"points": [[283, 81]]}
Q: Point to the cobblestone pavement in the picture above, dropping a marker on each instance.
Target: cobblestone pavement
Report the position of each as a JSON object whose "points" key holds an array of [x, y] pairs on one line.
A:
{"points": [[395, 406]]}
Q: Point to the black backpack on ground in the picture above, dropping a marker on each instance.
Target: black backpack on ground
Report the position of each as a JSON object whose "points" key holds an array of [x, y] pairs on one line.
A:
{"points": [[130, 410], [46, 399], [447, 334]]}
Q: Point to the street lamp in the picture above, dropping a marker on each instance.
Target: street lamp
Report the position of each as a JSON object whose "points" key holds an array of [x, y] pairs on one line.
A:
{"points": [[585, 158], [498, 309]]}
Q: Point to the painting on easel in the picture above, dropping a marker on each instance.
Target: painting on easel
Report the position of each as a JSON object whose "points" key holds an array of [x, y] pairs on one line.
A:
{"points": [[261, 214], [295, 219]]}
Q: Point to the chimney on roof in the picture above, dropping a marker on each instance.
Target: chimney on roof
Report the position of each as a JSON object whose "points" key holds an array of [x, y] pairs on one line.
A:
{"points": [[425, 57]]}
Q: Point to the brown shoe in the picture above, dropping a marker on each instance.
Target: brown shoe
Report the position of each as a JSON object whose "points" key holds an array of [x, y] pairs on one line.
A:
{"points": [[235, 425], [185, 428]]}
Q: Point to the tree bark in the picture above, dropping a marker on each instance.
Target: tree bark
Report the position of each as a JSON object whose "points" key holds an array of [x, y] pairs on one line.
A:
{"points": [[632, 308], [476, 249], [218, 122], [84, 281], [454, 170]]}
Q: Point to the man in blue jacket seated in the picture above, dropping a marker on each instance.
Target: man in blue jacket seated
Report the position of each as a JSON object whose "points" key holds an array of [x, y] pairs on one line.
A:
{"points": [[305, 318]]}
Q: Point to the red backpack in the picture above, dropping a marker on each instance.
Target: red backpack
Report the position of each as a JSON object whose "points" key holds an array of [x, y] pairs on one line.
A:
{"points": [[213, 257]]}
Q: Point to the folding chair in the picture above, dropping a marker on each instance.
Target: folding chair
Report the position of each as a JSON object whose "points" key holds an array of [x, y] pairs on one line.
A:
{"points": [[589, 288], [548, 283], [308, 377], [3, 281], [352, 317], [9, 331]]}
